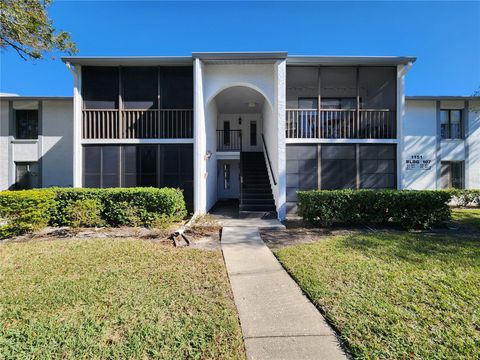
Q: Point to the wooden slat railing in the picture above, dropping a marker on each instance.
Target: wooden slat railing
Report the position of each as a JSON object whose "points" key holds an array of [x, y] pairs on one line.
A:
{"points": [[340, 124], [138, 124]]}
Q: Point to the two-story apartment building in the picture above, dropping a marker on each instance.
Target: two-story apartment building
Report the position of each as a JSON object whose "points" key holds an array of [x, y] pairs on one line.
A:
{"points": [[250, 126]]}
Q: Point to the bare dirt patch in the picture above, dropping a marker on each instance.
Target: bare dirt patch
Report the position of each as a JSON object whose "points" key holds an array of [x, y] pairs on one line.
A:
{"points": [[203, 233]]}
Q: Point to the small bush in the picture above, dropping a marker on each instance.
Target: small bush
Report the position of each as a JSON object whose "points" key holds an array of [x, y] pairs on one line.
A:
{"points": [[24, 211], [84, 212], [410, 209], [464, 197]]}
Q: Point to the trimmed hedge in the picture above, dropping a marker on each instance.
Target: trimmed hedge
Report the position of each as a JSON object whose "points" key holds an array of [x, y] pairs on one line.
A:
{"points": [[411, 209], [29, 210], [122, 206], [24, 211]]}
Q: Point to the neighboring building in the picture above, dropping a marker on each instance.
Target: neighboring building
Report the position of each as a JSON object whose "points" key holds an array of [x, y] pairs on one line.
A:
{"points": [[251, 126], [36, 142], [441, 135]]}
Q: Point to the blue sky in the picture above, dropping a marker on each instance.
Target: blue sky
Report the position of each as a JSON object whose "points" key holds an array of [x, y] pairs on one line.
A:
{"points": [[444, 36]]}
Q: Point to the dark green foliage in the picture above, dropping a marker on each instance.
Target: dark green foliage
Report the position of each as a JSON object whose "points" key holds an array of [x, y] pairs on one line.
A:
{"points": [[410, 209], [29, 210], [24, 211], [124, 206]]}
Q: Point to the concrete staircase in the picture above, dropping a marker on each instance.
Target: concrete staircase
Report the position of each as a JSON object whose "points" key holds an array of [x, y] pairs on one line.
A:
{"points": [[256, 194]]}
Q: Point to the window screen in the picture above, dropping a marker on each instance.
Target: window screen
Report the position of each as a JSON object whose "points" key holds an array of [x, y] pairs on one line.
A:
{"points": [[301, 171], [140, 87], [129, 166], [377, 87], [377, 166], [92, 165], [27, 124], [338, 82], [100, 87], [176, 86], [101, 166], [338, 167], [110, 166]]}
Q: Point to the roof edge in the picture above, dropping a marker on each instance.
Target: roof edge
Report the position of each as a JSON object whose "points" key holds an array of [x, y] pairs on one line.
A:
{"points": [[35, 98], [443, 97], [235, 55]]}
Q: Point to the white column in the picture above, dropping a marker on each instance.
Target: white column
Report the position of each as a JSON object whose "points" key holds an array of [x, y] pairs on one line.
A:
{"points": [[199, 138], [280, 99], [77, 125], [402, 70]]}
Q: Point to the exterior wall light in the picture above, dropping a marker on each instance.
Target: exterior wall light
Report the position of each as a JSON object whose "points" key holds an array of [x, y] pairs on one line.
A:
{"points": [[239, 120]]}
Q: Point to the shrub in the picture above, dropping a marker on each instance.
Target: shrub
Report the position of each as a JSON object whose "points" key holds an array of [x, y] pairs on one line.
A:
{"points": [[84, 212], [24, 211], [123, 206], [410, 209], [464, 197]]}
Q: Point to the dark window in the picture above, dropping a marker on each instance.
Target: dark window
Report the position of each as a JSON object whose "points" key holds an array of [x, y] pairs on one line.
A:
{"points": [[129, 166], [140, 87], [110, 166], [176, 87], [452, 174], [377, 166], [226, 133], [338, 167], [26, 176], [27, 124], [253, 133], [147, 160], [451, 126], [100, 87], [92, 160]]}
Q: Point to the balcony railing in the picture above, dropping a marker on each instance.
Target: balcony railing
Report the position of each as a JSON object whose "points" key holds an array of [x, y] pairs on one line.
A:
{"points": [[340, 124], [138, 124], [229, 140]]}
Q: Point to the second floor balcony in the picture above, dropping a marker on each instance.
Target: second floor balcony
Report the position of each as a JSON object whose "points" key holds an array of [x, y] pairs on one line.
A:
{"points": [[340, 124], [143, 102], [137, 124], [341, 102]]}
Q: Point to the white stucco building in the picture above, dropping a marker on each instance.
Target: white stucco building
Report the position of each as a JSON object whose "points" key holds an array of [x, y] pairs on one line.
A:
{"points": [[255, 127]]}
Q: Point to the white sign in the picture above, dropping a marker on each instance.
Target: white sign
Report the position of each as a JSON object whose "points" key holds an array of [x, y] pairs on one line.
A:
{"points": [[418, 162]]}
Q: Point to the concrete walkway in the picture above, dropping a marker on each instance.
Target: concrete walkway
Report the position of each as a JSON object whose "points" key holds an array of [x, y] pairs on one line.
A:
{"points": [[278, 321]]}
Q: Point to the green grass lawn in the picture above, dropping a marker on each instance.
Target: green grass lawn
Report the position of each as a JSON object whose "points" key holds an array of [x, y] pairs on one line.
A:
{"points": [[468, 217], [395, 296], [106, 298]]}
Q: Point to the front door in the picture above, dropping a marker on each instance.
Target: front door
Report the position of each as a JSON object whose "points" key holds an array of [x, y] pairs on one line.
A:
{"points": [[228, 179]]}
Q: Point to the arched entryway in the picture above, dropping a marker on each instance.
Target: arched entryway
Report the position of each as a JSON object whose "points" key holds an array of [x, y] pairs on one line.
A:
{"points": [[238, 168]]}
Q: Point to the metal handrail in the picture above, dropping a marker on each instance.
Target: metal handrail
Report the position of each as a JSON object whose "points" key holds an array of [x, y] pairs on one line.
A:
{"points": [[268, 159]]}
